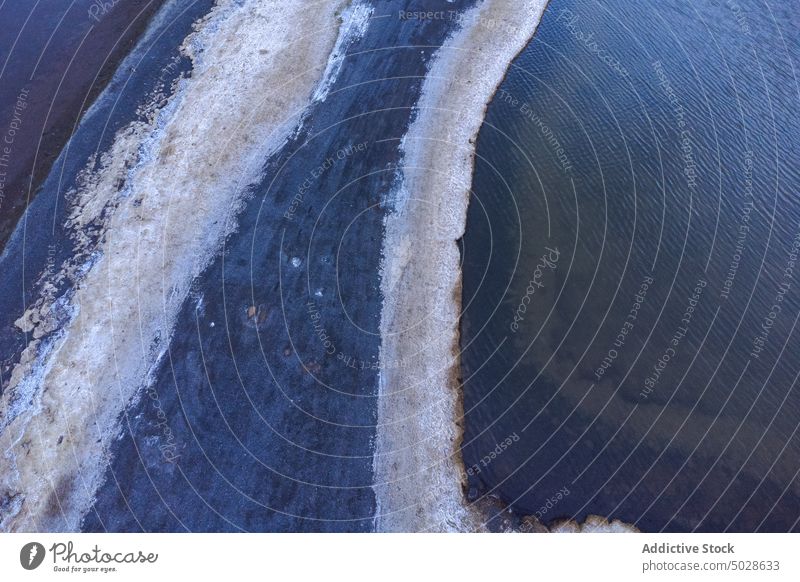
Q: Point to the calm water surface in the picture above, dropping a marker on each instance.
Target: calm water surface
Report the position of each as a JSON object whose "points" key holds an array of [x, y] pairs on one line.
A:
{"points": [[630, 285]]}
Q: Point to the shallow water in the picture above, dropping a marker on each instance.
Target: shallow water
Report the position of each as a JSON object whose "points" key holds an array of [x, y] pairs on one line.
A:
{"points": [[652, 148]]}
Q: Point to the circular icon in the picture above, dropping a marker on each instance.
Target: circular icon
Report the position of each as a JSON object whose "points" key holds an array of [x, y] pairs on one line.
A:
{"points": [[31, 555]]}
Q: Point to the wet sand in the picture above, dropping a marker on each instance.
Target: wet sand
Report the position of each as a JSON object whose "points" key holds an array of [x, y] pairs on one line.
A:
{"points": [[162, 199]]}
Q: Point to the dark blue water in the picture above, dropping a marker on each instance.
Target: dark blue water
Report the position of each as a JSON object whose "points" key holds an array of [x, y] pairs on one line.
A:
{"points": [[630, 285]]}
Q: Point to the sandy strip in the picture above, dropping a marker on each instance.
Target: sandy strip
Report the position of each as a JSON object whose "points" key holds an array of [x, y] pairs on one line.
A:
{"points": [[164, 198], [419, 472], [418, 468]]}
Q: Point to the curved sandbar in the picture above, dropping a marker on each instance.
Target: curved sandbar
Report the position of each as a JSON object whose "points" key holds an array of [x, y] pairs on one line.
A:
{"points": [[419, 472], [418, 468], [163, 199]]}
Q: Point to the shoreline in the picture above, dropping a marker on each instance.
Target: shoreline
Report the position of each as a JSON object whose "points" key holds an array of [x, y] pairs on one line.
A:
{"points": [[61, 97], [164, 197], [420, 477]]}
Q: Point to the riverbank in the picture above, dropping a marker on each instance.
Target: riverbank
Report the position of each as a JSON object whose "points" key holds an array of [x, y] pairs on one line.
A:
{"points": [[419, 474], [161, 201]]}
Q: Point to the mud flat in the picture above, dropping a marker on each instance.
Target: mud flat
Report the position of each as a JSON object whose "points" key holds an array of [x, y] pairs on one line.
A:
{"points": [[162, 200], [419, 474]]}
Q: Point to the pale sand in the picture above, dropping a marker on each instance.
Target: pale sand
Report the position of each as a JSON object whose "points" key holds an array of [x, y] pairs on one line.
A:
{"points": [[257, 65], [593, 524], [418, 468], [419, 476]]}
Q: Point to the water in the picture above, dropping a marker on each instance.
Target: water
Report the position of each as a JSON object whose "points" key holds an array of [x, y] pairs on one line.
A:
{"points": [[58, 56], [630, 298]]}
